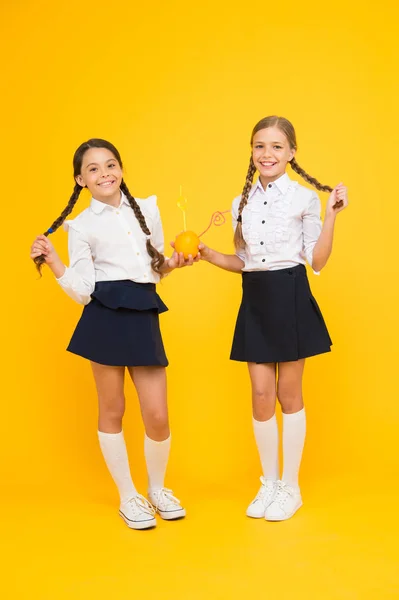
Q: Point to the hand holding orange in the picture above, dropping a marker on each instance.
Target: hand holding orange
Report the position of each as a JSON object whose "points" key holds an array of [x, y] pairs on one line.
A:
{"points": [[187, 242]]}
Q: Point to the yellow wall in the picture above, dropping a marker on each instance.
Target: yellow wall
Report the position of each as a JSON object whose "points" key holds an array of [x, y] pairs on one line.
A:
{"points": [[177, 88]]}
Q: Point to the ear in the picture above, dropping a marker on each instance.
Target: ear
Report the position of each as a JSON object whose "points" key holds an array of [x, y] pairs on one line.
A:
{"points": [[79, 181], [292, 154]]}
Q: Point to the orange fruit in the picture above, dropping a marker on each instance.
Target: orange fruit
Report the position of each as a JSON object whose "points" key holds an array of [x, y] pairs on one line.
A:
{"points": [[187, 242]]}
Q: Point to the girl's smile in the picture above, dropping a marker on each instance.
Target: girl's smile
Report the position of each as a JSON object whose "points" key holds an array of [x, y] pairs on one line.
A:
{"points": [[270, 153], [106, 183], [101, 173]]}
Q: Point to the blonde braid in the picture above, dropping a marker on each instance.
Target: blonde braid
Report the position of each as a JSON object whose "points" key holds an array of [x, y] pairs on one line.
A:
{"points": [[239, 241], [295, 167]]}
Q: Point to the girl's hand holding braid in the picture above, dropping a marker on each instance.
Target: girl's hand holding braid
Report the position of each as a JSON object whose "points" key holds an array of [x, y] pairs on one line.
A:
{"points": [[337, 201], [43, 246]]}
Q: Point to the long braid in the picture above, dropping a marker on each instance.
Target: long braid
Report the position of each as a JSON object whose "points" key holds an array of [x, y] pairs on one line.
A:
{"points": [[239, 241], [295, 167], [40, 260], [157, 258], [288, 130]]}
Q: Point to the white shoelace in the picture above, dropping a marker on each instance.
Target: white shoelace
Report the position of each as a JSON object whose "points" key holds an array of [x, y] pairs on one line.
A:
{"points": [[265, 490], [139, 504], [283, 492], [165, 498]]}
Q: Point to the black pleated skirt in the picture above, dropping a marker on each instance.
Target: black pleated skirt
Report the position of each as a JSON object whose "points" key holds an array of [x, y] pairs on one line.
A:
{"points": [[120, 326], [279, 319]]}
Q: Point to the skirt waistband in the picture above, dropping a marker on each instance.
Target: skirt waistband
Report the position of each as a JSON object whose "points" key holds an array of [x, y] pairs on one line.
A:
{"points": [[298, 271], [128, 294]]}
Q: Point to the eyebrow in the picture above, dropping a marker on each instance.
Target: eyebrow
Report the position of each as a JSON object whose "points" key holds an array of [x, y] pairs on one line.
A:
{"points": [[91, 164], [270, 142]]}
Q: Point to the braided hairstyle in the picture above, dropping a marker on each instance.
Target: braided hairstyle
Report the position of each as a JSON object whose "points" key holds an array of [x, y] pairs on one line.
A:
{"points": [[287, 128], [40, 260], [157, 258]]}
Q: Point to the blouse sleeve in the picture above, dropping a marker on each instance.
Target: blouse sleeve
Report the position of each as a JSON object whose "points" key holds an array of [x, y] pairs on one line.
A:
{"points": [[157, 236], [311, 227], [78, 281]]}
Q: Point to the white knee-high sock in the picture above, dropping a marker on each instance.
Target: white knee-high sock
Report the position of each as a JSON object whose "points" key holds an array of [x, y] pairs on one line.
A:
{"points": [[156, 457], [266, 436], [114, 451], [294, 432]]}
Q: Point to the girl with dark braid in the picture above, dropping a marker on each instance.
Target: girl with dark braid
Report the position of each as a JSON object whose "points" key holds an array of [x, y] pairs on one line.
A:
{"points": [[116, 259], [277, 228]]}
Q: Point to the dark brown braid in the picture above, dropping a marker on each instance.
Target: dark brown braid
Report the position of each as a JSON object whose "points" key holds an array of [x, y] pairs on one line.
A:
{"points": [[40, 260], [157, 258], [295, 167], [239, 241]]}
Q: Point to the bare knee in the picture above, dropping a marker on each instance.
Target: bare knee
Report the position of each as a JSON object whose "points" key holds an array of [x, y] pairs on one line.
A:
{"points": [[111, 411], [291, 400], [157, 424], [263, 403]]}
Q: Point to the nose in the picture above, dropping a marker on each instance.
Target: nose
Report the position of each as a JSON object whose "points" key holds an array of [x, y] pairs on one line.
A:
{"points": [[266, 153]]}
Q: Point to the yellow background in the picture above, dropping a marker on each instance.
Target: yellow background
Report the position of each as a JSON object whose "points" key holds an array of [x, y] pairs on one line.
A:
{"points": [[177, 87]]}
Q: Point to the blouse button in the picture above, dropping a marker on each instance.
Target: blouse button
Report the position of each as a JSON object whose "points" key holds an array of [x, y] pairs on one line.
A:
{"points": [[270, 185], [263, 222], [263, 260], [265, 202], [261, 243]]}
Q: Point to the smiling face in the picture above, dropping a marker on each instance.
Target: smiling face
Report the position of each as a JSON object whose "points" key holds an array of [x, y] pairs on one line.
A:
{"points": [[271, 152], [102, 174]]}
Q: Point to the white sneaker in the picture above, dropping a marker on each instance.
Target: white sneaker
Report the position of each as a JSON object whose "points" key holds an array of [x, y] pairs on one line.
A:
{"points": [[263, 498], [285, 503], [138, 513], [166, 504]]}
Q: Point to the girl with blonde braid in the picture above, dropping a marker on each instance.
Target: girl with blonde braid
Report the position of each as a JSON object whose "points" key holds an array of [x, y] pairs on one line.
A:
{"points": [[277, 229], [116, 259]]}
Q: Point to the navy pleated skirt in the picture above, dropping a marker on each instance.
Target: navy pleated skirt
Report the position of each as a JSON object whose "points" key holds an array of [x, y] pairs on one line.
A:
{"points": [[279, 319], [120, 326]]}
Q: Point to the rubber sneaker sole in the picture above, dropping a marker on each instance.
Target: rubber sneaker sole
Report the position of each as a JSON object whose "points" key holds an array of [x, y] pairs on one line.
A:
{"points": [[172, 515], [146, 524], [255, 516], [286, 517]]}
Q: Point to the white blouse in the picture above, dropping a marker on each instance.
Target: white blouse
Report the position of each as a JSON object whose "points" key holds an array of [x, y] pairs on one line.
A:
{"points": [[107, 244], [280, 225]]}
